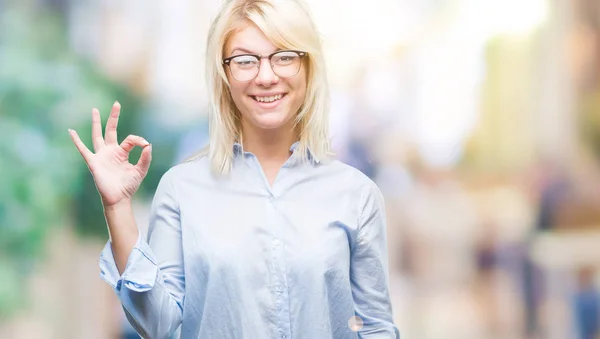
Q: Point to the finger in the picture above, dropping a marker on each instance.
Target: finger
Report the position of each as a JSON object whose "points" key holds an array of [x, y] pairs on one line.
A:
{"points": [[131, 141], [97, 130], [83, 150], [143, 163], [110, 135]]}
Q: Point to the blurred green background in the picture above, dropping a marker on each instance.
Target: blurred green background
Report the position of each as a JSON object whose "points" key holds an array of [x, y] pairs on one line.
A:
{"points": [[45, 88]]}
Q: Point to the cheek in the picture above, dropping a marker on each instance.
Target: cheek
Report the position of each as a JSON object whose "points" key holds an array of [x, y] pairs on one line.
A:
{"points": [[301, 84], [300, 93], [237, 93], [237, 89]]}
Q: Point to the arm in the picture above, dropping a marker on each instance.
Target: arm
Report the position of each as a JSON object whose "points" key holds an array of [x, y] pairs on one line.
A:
{"points": [[148, 279], [150, 282], [122, 231], [369, 270]]}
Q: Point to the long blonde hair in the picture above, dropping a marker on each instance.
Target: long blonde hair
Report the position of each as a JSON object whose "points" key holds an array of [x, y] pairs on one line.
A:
{"points": [[288, 25]]}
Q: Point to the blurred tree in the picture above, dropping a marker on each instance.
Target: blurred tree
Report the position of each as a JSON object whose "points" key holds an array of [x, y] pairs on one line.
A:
{"points": [[46, 88]]}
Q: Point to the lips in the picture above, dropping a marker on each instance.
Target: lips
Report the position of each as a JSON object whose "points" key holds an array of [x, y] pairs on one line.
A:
{"points": [[268, 98]]}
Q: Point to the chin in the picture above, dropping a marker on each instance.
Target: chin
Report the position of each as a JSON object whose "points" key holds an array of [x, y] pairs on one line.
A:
{"points": [[271, 120], [271, 125]]}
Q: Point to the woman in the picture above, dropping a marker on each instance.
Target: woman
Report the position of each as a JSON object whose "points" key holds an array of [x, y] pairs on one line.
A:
{"points": [[262, 235]]}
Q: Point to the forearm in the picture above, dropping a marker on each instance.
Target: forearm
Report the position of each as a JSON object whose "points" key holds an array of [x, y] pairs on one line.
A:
{"points": [[153, 306], [122, 231]]}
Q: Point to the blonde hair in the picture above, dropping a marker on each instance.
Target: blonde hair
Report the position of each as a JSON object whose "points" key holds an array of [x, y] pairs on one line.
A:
{"points": [[288, 25]]}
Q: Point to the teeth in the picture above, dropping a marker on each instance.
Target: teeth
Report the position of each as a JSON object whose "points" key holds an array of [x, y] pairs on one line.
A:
{"points": [[268, 99]]}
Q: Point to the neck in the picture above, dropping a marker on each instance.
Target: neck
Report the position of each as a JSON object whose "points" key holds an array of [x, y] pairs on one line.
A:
{"points": [[269, 146]]}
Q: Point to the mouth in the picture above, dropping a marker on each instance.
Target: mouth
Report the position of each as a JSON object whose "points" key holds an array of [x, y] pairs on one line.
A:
{"points": [[272, 99]]}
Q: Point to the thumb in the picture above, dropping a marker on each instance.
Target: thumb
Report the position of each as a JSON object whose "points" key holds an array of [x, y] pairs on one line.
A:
{"points": [[143, 163]]}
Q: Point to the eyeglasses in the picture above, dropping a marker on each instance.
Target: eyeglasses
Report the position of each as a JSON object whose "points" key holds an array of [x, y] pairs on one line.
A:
{"points": [[245, 67]]}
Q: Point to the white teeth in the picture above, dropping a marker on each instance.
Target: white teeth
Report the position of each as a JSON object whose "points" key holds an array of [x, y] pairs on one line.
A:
{"points": [[269, 98]]}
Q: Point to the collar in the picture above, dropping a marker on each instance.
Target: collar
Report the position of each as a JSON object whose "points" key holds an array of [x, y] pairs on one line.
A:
{"points": [[238, 150]]}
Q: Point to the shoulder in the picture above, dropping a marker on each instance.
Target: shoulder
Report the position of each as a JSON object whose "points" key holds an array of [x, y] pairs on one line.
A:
{"points": [[349, 176], [184, 172], [345, 180]]}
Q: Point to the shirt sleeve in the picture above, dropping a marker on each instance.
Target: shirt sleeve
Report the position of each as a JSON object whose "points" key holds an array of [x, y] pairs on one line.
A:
{"points": [[151, 288], [369, 276]]}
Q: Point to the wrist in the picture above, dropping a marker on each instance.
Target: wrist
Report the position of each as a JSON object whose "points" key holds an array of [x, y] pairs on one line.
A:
{"points": [[121, 205]]}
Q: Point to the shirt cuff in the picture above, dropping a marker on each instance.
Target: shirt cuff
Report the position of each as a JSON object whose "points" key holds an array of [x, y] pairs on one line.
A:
{"points": [[140, 272]]}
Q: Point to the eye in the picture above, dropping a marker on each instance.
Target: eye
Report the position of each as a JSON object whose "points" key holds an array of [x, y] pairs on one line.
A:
{"points": [[285, 58], [245, 61]]}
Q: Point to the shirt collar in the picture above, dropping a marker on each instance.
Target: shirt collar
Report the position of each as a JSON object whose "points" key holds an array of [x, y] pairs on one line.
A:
{"points": [[238, 149]]}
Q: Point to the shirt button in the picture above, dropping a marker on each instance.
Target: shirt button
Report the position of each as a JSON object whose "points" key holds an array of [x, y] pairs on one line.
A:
{"points": [[279, 288], [276, 242]]}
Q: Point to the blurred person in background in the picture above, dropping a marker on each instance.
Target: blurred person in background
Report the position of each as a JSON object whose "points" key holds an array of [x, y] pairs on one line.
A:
{"points": [[553, 190], [263, 234], [586, 305]]}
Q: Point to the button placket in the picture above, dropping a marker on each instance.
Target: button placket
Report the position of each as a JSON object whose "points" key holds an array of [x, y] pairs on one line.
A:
{"points": [[278, 287]]}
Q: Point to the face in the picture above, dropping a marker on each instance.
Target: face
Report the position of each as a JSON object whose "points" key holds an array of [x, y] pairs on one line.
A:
{"points": [[268, 101]]}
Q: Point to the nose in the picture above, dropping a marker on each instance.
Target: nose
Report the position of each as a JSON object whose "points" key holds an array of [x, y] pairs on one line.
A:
{"points": [[266, 77]]}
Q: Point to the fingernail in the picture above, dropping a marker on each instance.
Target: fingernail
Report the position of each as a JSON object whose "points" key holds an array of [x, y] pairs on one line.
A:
{"points": [[70, 130], [116, 103]]}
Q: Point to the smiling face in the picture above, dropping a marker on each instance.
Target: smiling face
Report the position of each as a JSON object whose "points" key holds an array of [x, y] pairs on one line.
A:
{"points": [[268, 101]]}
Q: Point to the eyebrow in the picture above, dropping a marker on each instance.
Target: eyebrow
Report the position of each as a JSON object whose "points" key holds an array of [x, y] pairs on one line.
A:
{"points": [[243, 50]]}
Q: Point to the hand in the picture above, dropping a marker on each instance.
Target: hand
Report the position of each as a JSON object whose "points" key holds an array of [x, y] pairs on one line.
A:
{"points": [[116, 179]]}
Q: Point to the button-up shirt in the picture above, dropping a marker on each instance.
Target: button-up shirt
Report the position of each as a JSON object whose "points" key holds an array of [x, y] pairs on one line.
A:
{"points": [[234, 257]]}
